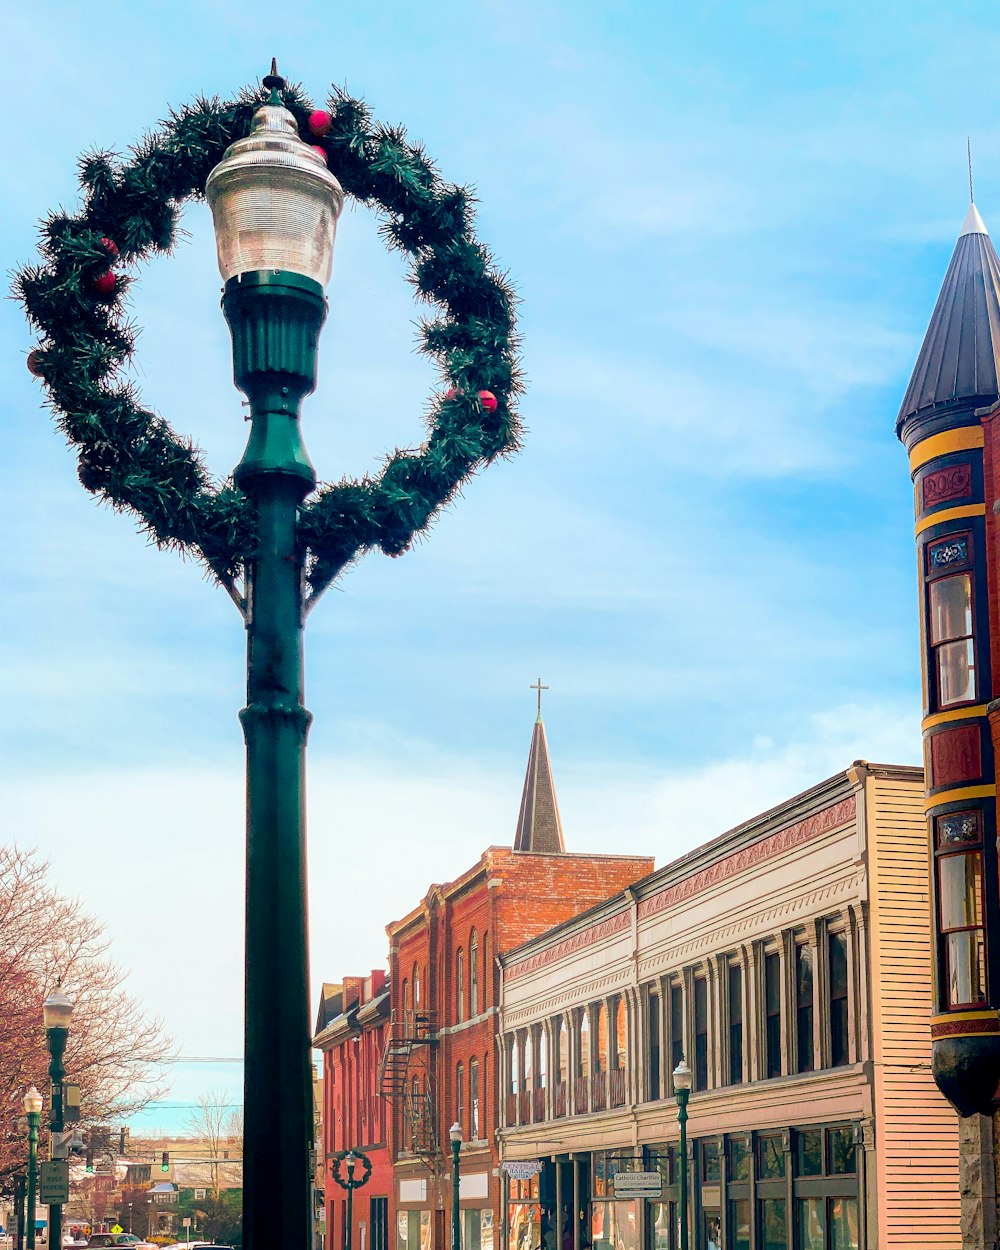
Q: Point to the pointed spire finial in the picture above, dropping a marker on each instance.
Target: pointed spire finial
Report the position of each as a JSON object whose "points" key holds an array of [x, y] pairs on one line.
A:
{"points": [[539, 687], [968, 149], [274, 82]]}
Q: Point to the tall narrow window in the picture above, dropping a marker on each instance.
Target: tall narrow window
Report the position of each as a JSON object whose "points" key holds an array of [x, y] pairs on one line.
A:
{"points": [[515, 1064], [950, 629], [837, 951], [804, 1008], [487, 972], [460, 1095], [584, 1044], [473, 974], [483, 1120], [528, 1070], [772, 1012], [416, 987], [960, 909], [474, 1099], [653, 1047], [677, 1047], [734, 991], [601, 1064], [563, 1051], [700, 1033], [414, 1111], [460, 984], [618, 1048]]}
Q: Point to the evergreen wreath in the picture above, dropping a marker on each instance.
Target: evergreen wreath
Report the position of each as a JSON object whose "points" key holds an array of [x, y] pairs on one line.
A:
{"points": [[130, 456], [338, 1158]]}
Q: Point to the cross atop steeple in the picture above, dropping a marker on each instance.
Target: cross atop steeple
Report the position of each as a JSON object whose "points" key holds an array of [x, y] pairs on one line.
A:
{"points": [[539, 687]]}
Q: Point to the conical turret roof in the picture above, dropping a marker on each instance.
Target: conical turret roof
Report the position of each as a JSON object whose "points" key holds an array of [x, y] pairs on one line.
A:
{"points": [[539, 828], [958, 362]]}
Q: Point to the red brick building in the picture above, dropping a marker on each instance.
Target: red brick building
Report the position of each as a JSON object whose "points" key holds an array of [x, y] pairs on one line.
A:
{"points": [[440, 1065], [351, 1031]]}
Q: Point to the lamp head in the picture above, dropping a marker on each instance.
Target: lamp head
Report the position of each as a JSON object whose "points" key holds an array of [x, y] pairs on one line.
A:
{"points": [[57, 1010], [455, 1133], [274, 202], [32, 1101], [683, 1076]]}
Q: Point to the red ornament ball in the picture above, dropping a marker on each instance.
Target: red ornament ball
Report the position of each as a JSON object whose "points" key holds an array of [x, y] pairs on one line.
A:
{"points": [[451, 393], [105, 284], [321, 152], [488, 400], [320, 123], [111, 247], [35, 362]]}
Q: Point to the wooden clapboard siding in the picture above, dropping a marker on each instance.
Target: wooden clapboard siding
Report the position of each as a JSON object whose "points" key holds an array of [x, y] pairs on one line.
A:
{"points": [[916, 1139]]}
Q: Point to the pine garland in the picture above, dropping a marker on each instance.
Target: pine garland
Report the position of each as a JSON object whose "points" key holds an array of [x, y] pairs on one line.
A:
{"points": [[130, 457]]}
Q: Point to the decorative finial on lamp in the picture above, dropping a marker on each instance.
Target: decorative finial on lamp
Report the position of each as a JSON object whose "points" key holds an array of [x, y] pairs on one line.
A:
{"points": [[274, 82]]}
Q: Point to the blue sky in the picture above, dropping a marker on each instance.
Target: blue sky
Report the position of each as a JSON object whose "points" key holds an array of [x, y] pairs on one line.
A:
{"points": [[728, 225]]}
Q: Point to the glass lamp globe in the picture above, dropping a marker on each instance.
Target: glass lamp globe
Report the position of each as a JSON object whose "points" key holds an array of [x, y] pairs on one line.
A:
{"points": [[455, 1132], [32, 1101], [274, 202], [57, 1009], [682, 1076]]}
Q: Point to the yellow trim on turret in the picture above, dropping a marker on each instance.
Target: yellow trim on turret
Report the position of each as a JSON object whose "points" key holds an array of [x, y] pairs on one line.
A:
{"points": [[957, 796], [949, 514], [948, 1016], [958, 713], [944, 444]]}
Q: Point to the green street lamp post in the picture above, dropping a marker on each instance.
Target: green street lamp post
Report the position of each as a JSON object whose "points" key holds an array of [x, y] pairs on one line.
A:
{"points": [[57, 1012], [455, 1133], [33, 1110], [682, 1090], [275, 207], [20, 1182], [351, 1159]]}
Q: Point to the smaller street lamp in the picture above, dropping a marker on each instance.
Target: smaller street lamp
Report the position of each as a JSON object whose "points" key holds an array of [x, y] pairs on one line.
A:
{"points": [[351, 1159], [57, 1012], [455, 1133], [682, 1088], [33, 1110]]}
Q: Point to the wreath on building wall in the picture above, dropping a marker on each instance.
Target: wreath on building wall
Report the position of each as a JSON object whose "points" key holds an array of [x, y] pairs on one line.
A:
{"points": [[337, 1159], [133, 459]]}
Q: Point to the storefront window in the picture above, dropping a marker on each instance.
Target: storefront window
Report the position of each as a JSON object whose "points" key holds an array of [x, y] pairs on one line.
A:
{"points": [[739, 1224], [842, 1151], [770, 1158], [843, 1224], [810, 1220], [809, 1152], [712, 1230], [615, 1225], [739, 1159], [773, 1227], [711, 1170]]}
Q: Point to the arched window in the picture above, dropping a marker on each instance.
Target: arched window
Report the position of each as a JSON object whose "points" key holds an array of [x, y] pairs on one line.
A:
{"points": [[543, 1064], [618, 1050], [474, 1099], [473, 974], [460, 984], [602, 1039], [483, 1121], [460, 1096], [528, 1042], [515, 1064], [406, 1001], [416, 987], [584, 1044], [487, 978]]}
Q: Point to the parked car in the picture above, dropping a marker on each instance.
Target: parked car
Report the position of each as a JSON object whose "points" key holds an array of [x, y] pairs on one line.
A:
{"points": [[102, 1241]]}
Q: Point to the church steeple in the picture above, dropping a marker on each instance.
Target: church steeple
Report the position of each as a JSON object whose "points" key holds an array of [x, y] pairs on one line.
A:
{"points": [[539, 828], [957, 368]]}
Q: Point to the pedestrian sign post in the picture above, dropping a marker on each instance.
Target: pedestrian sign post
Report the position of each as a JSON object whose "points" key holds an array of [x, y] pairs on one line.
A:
{"points": [[53, 1182]]}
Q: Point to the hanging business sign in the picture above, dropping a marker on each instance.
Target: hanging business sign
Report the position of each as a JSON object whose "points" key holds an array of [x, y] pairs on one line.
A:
{"points": [[521, 1169], [638, 1184]]}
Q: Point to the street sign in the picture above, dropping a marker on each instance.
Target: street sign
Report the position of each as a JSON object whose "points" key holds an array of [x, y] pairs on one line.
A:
{"points": [[117, 1228], [53, 1182], [638, 1185], [187, 1221], [522, 1170]]}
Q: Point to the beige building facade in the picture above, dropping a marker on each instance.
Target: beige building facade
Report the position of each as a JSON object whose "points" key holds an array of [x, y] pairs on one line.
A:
{"points": [[788, 962]]}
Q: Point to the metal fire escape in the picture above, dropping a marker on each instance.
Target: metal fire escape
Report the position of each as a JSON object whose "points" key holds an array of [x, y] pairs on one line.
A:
{"points": [[405, 1061]]}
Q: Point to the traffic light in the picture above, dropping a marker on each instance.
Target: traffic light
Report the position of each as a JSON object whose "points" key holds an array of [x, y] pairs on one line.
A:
{"points": [[90, 1157], [122, 1140], [165, 1161]]}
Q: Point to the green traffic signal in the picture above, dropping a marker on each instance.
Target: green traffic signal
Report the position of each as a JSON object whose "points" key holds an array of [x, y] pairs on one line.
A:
{"points": [[165, 1161]]}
